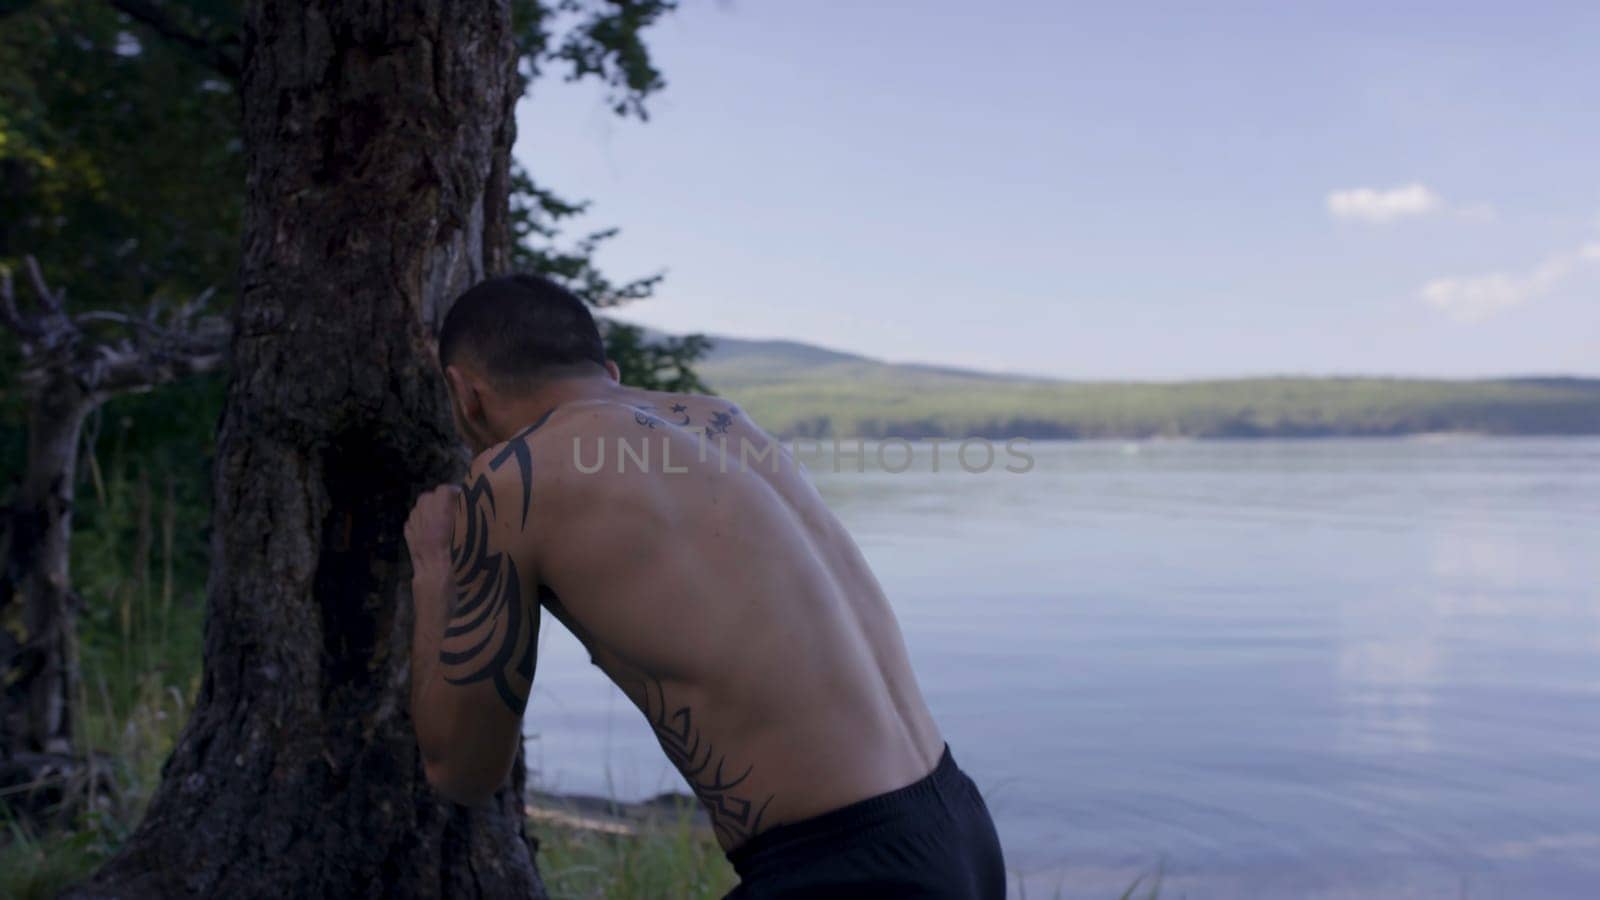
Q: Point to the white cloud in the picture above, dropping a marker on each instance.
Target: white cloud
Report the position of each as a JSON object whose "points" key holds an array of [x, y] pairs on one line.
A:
{"points": [[1366, 204], [1477, 297]]}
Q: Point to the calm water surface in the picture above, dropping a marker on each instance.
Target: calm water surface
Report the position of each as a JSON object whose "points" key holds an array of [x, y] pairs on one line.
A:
{"points": [[1365, 668]]}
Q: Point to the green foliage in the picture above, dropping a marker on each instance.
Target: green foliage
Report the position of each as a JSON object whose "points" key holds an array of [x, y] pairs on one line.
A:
{"points": [[536, 213], [661, 365], [603, 39], [39, 867], [141, 536], [120, 164], [122, 169]]}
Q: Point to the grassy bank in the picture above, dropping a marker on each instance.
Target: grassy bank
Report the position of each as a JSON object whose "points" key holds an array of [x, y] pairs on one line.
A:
{"points": [[677, 860], [796, 389], [139, 564], [671, 859]]}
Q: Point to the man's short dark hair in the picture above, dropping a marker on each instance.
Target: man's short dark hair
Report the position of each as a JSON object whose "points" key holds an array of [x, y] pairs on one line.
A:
{"points": [[520, 328]]}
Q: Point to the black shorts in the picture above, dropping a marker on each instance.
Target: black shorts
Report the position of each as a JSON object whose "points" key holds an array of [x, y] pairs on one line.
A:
{"points": [[932, 838]]}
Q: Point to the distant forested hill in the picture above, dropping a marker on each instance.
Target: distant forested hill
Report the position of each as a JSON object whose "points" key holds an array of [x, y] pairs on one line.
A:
{"points": [[799, 389]]}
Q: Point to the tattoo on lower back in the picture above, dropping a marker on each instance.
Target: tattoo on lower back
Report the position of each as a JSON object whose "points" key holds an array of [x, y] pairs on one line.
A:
{"points": [[733, 812]]}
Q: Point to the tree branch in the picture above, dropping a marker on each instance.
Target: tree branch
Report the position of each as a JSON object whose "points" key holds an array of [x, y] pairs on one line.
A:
{"points": [[116, 318], [124, 369], [51, 301], [8, 308], [55, 346], [206, 51]]}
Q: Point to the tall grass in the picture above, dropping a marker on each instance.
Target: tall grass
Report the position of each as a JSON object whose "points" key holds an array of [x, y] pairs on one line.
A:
{"points": [[139, 650], [674, 858]]}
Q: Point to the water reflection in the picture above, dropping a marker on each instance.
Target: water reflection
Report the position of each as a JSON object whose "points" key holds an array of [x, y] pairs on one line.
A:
{"points": [[1323, 668]]}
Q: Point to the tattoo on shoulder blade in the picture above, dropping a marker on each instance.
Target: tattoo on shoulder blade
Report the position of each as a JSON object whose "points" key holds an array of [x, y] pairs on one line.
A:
{"points": [[720, 422], [733, 812]]}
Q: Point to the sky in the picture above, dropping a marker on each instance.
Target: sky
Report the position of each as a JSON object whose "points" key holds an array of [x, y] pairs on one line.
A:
{"points": [[1110, 190]]}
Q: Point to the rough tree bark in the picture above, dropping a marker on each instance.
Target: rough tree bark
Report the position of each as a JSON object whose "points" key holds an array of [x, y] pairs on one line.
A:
{"points": [[67, 372], [377, 137]]}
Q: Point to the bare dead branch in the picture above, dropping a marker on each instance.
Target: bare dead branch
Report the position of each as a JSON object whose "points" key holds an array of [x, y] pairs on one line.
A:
{"points": [[8, 308], [124, 368], [56, 347], [197, 303], [116, 318], [51, 301]]}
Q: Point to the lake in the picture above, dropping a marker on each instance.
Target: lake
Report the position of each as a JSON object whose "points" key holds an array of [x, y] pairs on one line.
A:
{"points": [[1331, 668]]}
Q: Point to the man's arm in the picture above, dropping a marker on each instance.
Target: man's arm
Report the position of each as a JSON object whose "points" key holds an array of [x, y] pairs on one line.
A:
{"points": [[476, 633]]}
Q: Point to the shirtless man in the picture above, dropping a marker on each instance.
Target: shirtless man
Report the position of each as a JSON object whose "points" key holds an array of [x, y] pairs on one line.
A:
{"points": [[689, 553]]}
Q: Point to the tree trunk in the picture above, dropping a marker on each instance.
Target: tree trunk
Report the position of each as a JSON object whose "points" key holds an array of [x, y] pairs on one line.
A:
{"points": [[65, 376], [38, 650], [374, 134], [45, 780]]}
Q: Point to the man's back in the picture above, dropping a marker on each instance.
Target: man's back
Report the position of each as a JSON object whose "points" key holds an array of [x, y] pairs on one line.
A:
{"points": [[708, 580], [690, 554]]}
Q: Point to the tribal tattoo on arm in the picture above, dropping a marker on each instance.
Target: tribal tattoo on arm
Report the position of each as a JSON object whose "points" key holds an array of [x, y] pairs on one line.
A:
{"points": [[492, 634], [733, 812]]}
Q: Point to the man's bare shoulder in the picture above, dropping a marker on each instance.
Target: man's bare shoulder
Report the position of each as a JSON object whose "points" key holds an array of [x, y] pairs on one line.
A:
{"points": [[703, 414], [548, 456], [501, 479], [699, 415], [574, 452], [523, 489], [533, 445]]}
